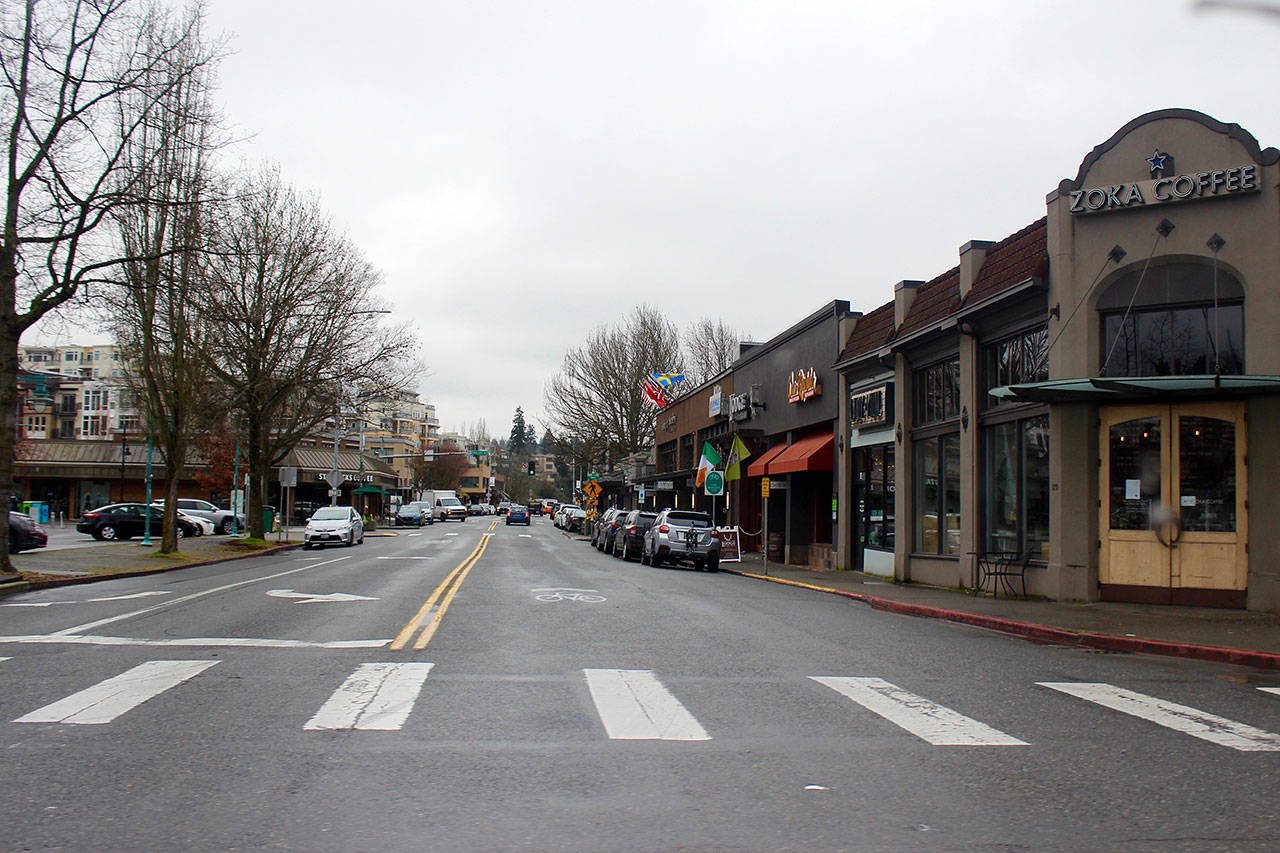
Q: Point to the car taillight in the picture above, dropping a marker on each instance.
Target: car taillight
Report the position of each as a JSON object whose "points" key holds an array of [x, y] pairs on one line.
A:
{"points": [[662, 528], [89, 515], [631, 529]]}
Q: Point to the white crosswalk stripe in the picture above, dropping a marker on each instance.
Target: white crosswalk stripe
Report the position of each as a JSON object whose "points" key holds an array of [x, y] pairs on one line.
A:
{"points": [[927, 720], [376, 697], [634, 705], [108, 699], [1182, 718]]}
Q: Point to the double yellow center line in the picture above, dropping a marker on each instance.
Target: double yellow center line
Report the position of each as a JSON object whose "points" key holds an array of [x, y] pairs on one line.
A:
{"points": [[447, 588]]}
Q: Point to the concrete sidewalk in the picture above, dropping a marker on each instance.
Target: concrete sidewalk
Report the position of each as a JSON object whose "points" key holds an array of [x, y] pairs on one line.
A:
{"points": [[1226, 636]]}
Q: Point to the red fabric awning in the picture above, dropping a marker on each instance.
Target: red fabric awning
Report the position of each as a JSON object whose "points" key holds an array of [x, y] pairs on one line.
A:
{"points": [[758, 467], [811, 453]]}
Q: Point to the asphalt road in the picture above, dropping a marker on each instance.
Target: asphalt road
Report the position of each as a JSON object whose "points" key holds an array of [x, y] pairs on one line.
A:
{"points": [[312, 701]]}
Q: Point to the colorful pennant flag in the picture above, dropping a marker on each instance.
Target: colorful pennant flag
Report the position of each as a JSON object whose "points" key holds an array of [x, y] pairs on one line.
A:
{"points": [[710, 459], [666, 380], [738, 453]]}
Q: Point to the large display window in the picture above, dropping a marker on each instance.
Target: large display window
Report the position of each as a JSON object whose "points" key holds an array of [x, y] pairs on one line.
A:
{"points": [[1016, 491], [874, 470]]}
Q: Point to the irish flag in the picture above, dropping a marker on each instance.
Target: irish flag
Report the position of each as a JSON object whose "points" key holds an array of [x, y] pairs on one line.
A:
{"points": [[708, 463]]}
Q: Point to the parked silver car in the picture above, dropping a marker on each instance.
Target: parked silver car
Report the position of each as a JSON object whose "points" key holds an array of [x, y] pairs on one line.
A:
{"points": [[333, 525], [681, 535]]}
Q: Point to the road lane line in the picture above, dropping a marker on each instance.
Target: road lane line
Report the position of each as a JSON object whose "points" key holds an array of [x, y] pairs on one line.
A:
{"points": [[927, 720], [1275, 690], [1171, 715], [108, 699], [80, 629], [376, 697], [634, 705], [193, 642], [430, 631], [406, 632]]}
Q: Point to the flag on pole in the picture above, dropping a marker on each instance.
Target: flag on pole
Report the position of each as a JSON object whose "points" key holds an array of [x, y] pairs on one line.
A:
{"points": [[653, 393], [737, 453], [666, 380], [710, 459]]}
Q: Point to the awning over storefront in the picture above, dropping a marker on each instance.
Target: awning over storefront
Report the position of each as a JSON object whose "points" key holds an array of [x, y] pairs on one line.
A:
{"points": [[761, 465], [1103, 389], [368, 490], [811, 453]]}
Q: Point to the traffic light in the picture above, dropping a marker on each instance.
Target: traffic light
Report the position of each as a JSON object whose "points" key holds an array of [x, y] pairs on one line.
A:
{"points": [[531, 467]]}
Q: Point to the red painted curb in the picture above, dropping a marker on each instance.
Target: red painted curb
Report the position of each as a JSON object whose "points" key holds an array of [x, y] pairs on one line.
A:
{"points": [[1049, 634], [115, 575]]}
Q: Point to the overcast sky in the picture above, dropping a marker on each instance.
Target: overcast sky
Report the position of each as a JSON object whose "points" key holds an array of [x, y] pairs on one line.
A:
{"points": [[521, 172]]}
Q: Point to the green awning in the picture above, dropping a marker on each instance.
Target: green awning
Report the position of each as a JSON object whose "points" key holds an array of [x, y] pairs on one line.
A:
{"points": [[1109, 389], [368, 490]]}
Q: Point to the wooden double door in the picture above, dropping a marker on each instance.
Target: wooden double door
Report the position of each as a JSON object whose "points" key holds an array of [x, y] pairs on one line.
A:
{"points": [[1174, 503]]}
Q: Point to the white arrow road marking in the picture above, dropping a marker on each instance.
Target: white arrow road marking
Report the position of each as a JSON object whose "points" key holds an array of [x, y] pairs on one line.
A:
{"points": [[938, 725], [88, 626], [318, 598], [1275, 690], [1171, 715], [85, 601], [108, 699], [376, 697], [633, 705]]}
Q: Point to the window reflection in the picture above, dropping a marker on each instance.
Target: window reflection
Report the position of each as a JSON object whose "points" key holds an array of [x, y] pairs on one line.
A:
{"points": [[1207, 474]]}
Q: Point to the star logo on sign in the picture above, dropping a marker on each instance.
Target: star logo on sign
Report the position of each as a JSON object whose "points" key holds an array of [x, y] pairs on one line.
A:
{"points": [[1156, 161]]}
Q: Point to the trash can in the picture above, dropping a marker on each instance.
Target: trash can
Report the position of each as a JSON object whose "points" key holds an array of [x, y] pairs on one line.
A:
{"points": [[268, 520]]}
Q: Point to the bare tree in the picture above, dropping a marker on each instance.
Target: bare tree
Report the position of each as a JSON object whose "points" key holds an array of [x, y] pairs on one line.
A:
{"points": [[293, 331], [67, 65], [595, 402], [442, 470], [710, 346], [157, 327]]}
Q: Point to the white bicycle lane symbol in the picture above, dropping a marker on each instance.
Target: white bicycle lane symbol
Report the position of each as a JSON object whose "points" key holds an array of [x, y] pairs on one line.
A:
{"points": [[559, 593]]}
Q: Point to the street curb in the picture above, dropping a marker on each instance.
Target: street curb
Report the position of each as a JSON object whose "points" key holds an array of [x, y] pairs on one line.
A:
{"points": [[1045, 633], [143, 572]]}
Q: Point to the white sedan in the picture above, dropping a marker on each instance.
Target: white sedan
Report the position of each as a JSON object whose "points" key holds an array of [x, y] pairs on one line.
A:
{"points": [[203, 526], [339, 525]]}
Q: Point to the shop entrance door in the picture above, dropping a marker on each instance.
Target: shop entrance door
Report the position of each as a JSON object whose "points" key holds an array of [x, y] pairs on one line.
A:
{"points": [[1173, 504]]}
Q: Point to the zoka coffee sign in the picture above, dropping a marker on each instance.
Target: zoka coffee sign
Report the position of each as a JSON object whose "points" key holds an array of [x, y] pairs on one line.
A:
{"points": [[1215, 183]]}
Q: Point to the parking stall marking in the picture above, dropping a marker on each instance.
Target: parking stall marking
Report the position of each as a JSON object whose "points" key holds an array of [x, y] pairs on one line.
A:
{"points": [[376, 697], [108, 699], [1171, 715], [634, 705], [927, 720]]}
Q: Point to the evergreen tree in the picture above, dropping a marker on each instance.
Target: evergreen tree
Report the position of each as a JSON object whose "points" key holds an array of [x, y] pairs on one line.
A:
{"points": [[518, 440]]}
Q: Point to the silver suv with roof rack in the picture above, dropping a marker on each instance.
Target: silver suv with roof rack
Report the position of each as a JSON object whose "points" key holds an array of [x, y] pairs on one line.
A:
{"points": [[681, 535]]}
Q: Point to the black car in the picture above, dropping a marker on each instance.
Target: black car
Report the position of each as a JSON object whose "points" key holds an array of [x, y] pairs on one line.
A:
{"points": [[123, 521], [24, 533], [629, 540]]}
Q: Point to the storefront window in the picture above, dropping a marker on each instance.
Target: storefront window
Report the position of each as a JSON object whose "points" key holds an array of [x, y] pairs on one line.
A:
{"points": [[875, 499], [1021, 358], [1017, 487], [1135, 481], [1207, 474], [937, 488], [1174, 342], [937, 392]]}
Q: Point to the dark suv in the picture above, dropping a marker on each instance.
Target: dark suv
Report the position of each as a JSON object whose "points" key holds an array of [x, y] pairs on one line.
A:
{"points": [[628, 542], [681, 535]]}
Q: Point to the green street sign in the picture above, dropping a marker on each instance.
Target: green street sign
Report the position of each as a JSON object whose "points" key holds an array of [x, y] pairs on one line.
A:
{"points": [[714, 484]]}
